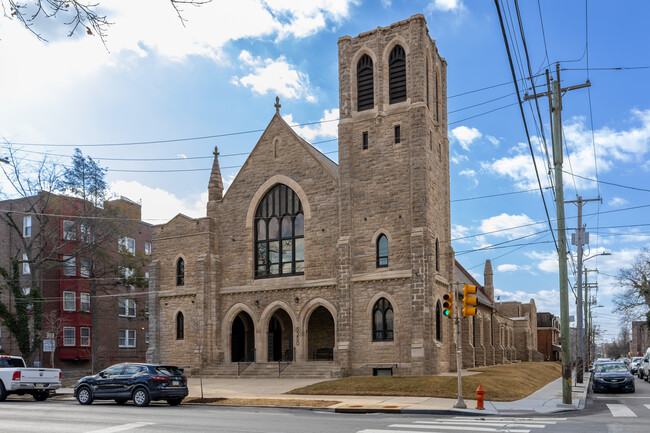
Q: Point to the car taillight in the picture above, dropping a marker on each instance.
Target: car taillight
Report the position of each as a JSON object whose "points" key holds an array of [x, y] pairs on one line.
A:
{"points": [[159, 378], [184, 378], [60, 376], [16, 375]]}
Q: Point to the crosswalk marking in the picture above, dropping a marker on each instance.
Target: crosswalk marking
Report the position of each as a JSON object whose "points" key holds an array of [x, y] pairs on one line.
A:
{"points": [[620, 410], [459, 427], [473, 424], [123, 427], [647, 405], [487, 422]]}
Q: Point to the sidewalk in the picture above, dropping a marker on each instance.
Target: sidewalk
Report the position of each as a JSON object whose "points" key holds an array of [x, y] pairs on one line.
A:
{"points": [[544, 401]]}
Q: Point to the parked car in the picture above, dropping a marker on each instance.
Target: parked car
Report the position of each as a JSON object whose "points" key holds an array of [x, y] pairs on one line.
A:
{"points": [[141, 383], [612, 376], [598, 361], [644, 367], [635, 363], [17, 378]]}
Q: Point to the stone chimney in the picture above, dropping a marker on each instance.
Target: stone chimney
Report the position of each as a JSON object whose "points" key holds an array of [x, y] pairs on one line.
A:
{"points": [[488, 283]]}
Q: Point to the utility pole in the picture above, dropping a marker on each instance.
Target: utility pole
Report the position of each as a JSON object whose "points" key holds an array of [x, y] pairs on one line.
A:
{"points": [[460, 403], [554, 92], [580, 238]]}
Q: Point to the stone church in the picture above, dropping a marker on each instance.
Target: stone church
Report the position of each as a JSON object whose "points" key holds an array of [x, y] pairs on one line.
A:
{"points": [[306, 261]]}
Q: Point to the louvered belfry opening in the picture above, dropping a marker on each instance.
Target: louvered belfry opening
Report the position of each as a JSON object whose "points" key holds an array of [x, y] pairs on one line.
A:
{"points": [[397, 75], [365, 84]]}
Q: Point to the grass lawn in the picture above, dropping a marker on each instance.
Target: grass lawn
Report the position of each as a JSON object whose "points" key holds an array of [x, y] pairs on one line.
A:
{"points": [[501, 383]]}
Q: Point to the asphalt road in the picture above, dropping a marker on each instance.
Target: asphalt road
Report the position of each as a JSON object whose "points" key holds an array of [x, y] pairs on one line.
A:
{"points": [[608, 413]]}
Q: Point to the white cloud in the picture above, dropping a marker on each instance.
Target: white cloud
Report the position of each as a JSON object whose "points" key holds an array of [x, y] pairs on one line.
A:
{"points": [[467, 172], [546, 262], [504, 224], [228, 180], [545, 300], [617, 201], [465, 136], [459, 231], [158, 205], [507, 268], [328, 126], [181, 155], [447, 5], [495, 141], [386, 3], [273, 76]]}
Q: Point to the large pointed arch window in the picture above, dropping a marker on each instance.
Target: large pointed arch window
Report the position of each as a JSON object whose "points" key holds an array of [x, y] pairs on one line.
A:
{"points": [[365, 84], [397, 75], [180, 326], [279, 234], [382, 321]]}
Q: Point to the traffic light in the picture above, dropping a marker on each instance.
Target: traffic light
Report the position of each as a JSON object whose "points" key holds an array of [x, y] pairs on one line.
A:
{"points": [[448, 304], [469, 302]]}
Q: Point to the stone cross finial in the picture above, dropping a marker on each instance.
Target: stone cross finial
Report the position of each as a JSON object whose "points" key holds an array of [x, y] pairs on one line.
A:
{"points": [[277, 104], [216, 151]]}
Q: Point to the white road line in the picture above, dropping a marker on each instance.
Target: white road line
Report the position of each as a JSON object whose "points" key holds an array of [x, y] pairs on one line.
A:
{"points": [[123, 427], [620, 410], [647, 405], [488, 423], [458, 427], [489, 418]]}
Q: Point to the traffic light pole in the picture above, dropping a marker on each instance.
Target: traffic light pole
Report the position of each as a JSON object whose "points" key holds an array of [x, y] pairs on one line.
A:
{"points": [[460, 403]]}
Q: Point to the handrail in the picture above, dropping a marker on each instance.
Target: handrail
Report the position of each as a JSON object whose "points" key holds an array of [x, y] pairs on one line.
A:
{"points": [[285, 361], [245, 362]]}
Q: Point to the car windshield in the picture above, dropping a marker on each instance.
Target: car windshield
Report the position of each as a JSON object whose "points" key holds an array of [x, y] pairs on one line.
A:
{"points": [[11, 362], [611, 368]]}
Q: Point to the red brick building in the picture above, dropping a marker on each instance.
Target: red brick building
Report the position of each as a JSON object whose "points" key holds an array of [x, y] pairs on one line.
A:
{"points": [[548, 336], [60, 249]]}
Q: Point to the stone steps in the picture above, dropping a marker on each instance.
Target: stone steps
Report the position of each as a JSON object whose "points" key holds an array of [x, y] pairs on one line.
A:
{"points": [[309, 369]]}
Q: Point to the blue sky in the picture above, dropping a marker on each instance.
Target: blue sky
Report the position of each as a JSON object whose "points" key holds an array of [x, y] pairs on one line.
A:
{"points": [[220, 74]]}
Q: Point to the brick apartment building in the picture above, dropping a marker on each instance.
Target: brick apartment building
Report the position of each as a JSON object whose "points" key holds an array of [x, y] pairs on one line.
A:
{"points": [[58, 262], [548, 336]]}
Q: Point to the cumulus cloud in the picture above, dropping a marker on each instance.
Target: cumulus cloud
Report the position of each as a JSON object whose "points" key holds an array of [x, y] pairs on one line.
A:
{"points": [[465, 136], [507, 268], [617, 202], [328, 126], [545, 300], [546, 262], [495, 141], [509, 226], [458, 231], [447, 5], [467, 172], [273, 76]]}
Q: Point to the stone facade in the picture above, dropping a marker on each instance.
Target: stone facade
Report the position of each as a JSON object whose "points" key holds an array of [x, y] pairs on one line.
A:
{"points": [[347, 302]]}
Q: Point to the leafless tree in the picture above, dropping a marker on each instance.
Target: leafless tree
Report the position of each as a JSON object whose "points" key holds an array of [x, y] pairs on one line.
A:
{"points": [[634, 302], [52, 328]]}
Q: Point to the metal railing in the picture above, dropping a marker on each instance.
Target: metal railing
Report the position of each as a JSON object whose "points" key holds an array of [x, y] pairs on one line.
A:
{"points": [[286, 360], [245, 362]]}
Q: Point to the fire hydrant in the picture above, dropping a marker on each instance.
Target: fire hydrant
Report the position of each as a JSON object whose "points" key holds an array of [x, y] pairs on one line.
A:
{"points": [[480, 393]]}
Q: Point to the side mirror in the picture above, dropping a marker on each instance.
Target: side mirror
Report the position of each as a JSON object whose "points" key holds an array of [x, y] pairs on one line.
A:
{"points": [[102, 374]]}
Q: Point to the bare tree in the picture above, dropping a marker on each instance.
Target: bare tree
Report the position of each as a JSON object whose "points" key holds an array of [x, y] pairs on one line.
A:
{"points": [[52, 328], [634, 302], [76, 14]]}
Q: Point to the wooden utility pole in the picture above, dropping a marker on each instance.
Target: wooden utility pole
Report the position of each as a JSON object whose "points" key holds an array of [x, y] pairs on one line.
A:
{"points": [[554, 93]]}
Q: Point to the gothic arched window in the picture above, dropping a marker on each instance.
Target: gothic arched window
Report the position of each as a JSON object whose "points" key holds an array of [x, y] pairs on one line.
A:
{"points": [[180, 326], [438, 322], [397, 75], [382, 321], [382, 251], [180, 272], [279, 234], [365, 84]]}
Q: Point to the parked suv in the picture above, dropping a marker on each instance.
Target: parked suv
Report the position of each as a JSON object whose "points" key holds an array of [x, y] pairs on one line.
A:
{"points": [[141, 383], [644, 366]]}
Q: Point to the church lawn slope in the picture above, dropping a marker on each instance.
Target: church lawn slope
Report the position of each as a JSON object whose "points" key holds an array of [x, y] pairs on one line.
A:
{"points": [[501, 383]]}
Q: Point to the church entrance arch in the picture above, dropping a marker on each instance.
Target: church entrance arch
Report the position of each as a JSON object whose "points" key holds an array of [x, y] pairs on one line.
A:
{"points": [[242, 338], [320, 332], [280, 337]]}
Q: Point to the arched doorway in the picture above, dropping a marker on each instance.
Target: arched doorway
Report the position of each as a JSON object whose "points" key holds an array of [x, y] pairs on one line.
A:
{"points": [[320, 335], [280, 337], [242, 341]]}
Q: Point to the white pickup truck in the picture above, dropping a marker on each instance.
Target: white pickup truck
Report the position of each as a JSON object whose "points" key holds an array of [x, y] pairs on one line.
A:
{"points": [[16, 378]]}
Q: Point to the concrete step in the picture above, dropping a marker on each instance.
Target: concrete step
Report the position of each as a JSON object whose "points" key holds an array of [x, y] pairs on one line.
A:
{"points": [[309, 369]]}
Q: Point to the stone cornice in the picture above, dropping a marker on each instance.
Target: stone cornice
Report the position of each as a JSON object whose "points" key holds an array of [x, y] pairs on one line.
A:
{"points": [[271, 284], [385, 275]]}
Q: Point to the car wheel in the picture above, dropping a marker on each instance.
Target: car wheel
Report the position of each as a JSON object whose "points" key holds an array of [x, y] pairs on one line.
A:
{"points": [[85, 395], [120, 401], [41, 396], [141, 397], [174, 401], [3, 392]]}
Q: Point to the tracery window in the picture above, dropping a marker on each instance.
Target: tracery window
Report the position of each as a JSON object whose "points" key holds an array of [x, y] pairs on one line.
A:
{"points": [[279, 234], [382, 321], [397, 75], [365, 84]]}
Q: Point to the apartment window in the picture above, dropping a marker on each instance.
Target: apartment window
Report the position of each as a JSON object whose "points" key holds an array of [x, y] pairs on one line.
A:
{"points": [[69, 266], [27, 291], [364, 138], [127, 244], [85, 301], [26, 270], [126, 338], [146, 308], [27, 226], [30, 305], [69, 301], [126, 274], [85, 233], [68, 336], [84, 267], [127, 307], [146, 337], [84, 336], [147, 248], [69, 230], [398, 137]]}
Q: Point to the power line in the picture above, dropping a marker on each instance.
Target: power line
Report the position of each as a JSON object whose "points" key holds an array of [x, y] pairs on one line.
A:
{"points": [[494, 195], [609, 183]]}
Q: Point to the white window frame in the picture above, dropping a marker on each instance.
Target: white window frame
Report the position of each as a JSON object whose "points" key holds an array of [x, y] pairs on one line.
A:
{"points": [[84, 302], [67, 339], [84, 267], [146, 337], [85, 233], [69, 233], [84, 340], [27, 226], [66, 302], [126, 307], [147, 248], [128, 244], [69, 266], [26, 270], [126, 338]]}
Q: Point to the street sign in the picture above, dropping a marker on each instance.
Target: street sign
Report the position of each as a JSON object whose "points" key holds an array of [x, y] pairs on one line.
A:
{"points": [[48, 345]]}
